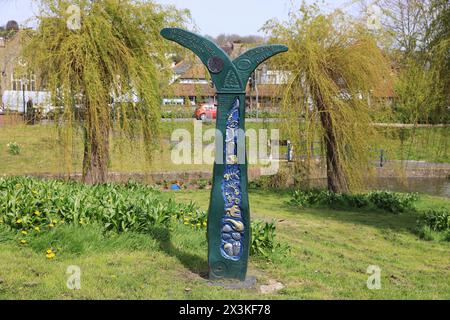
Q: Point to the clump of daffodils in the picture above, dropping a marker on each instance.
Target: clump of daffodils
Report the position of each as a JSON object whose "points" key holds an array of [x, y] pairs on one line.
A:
{"points": [[50, 254], [194, 222], [13, 148]]}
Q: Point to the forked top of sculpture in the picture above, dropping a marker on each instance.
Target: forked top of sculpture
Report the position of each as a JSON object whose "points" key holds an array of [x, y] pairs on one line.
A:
{"points": [[228, 76]]}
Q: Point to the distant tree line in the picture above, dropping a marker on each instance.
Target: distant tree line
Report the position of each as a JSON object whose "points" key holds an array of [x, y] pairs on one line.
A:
{"points": [[416, 36]]}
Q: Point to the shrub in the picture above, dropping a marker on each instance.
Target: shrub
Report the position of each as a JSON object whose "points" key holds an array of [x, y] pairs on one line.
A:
{"points": [[192, 216], [384, 200], [306, 198], [13, 148], [357, 200], [393, 202], [327, 198], [425, 233], [280, 180], [202, 184], [436, 219], [263, 238]]}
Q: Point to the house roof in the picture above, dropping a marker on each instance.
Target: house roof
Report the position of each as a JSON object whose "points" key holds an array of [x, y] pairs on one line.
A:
{"points": [[187, 70], [181, 67]]}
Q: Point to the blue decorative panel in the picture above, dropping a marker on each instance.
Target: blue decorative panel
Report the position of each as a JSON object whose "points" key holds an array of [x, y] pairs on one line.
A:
{"points": [[232, 223]]}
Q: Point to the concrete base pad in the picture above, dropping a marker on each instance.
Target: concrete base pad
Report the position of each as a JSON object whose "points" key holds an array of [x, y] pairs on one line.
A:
{"points": [[248, 283]]}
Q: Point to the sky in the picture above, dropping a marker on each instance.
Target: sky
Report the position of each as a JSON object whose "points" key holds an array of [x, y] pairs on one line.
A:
{"points": [[212, 17]]}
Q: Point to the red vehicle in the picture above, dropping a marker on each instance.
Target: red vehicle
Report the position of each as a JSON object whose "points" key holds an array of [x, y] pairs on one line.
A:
{"points": [[206, 111]]}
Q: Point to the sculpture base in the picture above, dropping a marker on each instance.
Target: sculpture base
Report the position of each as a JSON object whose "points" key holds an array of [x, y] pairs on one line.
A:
{"points": [[248, 283]]}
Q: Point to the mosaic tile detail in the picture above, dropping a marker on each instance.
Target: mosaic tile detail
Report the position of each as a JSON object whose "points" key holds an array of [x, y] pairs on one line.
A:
{"points": [[232, 224]]}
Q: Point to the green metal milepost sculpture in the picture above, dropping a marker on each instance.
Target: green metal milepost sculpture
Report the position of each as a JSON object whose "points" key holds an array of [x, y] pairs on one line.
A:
{"points": [[229, 214]]}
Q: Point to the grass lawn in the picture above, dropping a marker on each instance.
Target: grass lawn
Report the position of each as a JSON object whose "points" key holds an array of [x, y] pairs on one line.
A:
{"points": [[330, 252], [426, 144], [42, 152]]}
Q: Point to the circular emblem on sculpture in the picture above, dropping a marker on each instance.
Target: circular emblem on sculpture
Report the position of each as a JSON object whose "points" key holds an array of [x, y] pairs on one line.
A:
{"points": [[215, 64], [244, 64], [219, 269]]}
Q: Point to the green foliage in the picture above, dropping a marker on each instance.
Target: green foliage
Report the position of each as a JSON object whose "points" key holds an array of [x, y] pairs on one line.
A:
{"points": [[202, 183], [438, 35], [37, 209], [436, 219], [333, 64], [428, 234], [419, 96], [393, 202], [327, 198], [263, 238], [280, 180], [116, 53], [192, 216], [421, 90], [32, 205], [13, 148], [135, 266], [384, 200]]}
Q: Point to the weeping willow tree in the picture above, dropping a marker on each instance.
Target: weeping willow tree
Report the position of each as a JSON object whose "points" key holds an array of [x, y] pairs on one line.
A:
{"points": [[104, 64], [420, 96], [332, 65], [422, 87]]}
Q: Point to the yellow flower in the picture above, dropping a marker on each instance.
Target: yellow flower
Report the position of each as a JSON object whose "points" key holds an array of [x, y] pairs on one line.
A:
{"points": [[19, 221], [24, 232], [49, 251], [51, 225], [37, 229], [186, 223], [54, 221], [37, 213], [204, 224], [23, 241], [198, 225], [50, 255]]}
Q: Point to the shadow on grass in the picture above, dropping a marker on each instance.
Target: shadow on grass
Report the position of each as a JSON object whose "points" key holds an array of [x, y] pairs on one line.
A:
{"points": [[194, 263], [404, 222]]}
